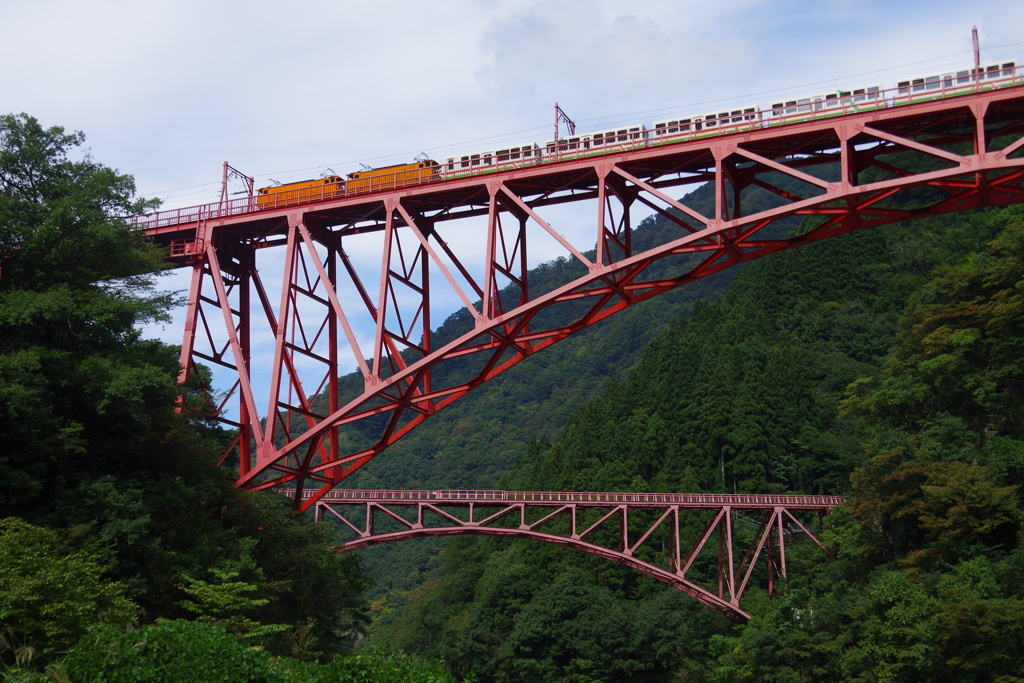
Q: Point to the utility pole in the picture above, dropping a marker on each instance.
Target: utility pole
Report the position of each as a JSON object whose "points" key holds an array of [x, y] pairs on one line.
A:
{"points": [[562, 116]]}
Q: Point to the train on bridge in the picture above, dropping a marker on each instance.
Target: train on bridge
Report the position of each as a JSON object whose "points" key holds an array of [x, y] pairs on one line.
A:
{"points": [[622, 138]]}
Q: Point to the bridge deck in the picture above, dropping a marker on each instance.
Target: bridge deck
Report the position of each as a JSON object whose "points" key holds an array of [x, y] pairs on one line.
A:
{"points": [[365, 279], [582, 499], [555, 169]]}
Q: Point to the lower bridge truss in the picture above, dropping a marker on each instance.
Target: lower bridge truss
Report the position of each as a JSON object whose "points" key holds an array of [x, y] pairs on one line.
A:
{"points": [[709, 546]]}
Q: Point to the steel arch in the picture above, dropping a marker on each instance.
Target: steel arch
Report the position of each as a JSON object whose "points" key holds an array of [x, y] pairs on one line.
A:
{"points": [[559, 520], [309, 428]]}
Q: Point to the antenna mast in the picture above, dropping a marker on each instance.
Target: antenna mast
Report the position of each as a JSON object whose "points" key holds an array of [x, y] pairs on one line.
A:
{"points": [[977, 54]]}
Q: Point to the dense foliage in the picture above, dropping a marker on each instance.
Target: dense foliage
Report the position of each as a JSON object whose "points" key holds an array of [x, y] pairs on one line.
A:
{"points": [[112, 513], [885, 366]]}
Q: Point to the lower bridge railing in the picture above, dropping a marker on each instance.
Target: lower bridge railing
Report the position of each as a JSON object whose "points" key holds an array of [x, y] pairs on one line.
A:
{"points": [[711, 546]]}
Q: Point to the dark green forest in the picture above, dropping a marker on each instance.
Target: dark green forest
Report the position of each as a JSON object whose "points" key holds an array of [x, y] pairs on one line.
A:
{"points": [[125, 555], [884, 366]]}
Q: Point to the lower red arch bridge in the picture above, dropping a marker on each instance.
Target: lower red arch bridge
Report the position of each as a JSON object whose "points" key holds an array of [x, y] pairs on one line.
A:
{"points": [[710, 546]]}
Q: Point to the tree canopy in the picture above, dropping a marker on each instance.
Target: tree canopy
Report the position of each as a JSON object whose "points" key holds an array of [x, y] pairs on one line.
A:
{"points": [[115, 512]]}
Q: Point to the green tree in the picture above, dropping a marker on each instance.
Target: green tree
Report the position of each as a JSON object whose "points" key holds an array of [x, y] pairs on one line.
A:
{"points": [[50, 593], [75, 375], [92, 444]]}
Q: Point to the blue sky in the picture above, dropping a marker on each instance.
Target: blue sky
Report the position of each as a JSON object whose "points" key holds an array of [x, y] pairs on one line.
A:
{"points": [[166, 90]]}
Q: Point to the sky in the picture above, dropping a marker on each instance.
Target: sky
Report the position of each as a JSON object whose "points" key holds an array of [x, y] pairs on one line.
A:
{"points": [[167, 90]]}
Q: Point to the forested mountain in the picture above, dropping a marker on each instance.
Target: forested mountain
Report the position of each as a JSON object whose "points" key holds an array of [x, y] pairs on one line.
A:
{"points": [[884, 366]]}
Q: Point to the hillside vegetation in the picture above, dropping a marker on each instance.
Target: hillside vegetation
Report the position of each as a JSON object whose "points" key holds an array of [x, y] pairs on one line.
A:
{"points": [[125, 555], [885, 366]]}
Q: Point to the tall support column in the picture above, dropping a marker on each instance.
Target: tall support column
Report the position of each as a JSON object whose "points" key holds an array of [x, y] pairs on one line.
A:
{"points": [[382, 293], [281, 366], [423, 257], [491, 291], [602, 229], [185, 361], [247, 413], [334, 337], [524, 267]]}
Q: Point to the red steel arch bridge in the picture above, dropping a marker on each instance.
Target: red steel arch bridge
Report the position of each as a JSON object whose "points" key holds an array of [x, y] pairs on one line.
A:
{"points": [[707, 545], [289, 298]]}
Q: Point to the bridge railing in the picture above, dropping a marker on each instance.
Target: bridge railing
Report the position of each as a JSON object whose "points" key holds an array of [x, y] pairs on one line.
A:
{"points": [[554, 497], [883, 99]]}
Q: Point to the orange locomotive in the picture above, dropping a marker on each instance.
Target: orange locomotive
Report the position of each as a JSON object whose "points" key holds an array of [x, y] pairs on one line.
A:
{"points": [[300, 192], [389, 177], [329, 187]]}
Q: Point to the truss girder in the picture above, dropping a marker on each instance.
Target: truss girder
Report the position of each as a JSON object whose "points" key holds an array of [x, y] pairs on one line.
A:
{"points": [[469, 242], [649, 532]]}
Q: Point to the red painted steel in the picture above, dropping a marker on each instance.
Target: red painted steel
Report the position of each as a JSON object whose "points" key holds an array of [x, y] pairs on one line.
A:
{"points": [[644, 531], [465, 239]]}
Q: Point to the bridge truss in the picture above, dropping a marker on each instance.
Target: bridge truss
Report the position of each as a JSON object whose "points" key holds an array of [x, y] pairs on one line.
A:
{"points": [[706, 545], [290, 299]]}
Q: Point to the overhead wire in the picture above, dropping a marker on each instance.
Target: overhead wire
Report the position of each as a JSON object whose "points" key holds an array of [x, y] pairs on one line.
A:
{"points": [[206, 190]]}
